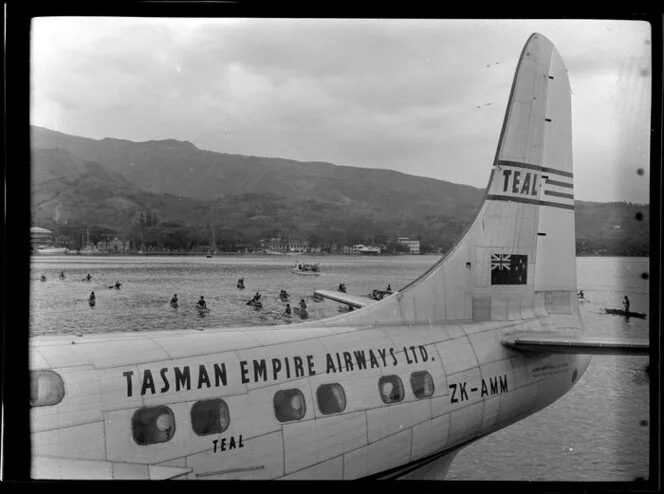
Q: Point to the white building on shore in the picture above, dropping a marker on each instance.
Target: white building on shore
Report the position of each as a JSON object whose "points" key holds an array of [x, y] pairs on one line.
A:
{"points": [[413, 245]]}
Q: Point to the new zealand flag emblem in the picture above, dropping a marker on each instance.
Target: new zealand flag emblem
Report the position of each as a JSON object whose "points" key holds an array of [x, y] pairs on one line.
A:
{"points": [[509, 269]]}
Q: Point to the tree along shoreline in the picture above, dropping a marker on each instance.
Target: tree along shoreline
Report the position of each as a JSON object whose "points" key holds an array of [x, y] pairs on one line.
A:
{"points": [[263, 254]]}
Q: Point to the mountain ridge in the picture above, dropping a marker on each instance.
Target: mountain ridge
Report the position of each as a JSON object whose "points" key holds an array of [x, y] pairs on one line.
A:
{"points": [[112, 182]]}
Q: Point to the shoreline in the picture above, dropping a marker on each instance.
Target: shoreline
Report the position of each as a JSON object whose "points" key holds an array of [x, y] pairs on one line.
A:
{"points": [[262, 254]]}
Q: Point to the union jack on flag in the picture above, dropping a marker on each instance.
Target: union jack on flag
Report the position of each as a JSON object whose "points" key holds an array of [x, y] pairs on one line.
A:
{"points": [[509, 269], [500, 261]]}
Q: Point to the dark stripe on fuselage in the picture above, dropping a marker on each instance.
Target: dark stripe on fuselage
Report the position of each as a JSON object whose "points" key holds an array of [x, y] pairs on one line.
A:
{"points": [[396, 472], [558, 194], [534, 167], [536, 202], [559, 184]]}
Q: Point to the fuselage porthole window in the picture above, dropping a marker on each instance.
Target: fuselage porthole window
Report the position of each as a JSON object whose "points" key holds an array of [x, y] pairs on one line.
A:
{"points": [[331, 398], [422, 384], [46, 388], [153, 425], [391, 389], [289, 405], [209, 417]]}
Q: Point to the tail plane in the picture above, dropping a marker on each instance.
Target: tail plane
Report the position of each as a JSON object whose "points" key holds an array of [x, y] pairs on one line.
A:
{"points": [[517, 259]]}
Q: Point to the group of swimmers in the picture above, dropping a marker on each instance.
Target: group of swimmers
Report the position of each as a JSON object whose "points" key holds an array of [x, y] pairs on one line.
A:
{"points": [[62, 277], [92, 298], [303, 308], [308, 267]]}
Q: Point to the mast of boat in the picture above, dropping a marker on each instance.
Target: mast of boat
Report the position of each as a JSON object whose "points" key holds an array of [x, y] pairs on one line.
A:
{"points": [[213, 245]]}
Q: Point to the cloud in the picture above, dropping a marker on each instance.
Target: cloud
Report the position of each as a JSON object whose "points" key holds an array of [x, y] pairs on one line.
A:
{"points": [[399, 94]]}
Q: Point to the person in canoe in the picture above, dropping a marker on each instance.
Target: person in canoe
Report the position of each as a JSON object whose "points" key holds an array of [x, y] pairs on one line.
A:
{"points": [[201, 303], [174, 300], [240, 283], [283, 295], [287, 312], [626, 304], [118, 284], [62, 275]]}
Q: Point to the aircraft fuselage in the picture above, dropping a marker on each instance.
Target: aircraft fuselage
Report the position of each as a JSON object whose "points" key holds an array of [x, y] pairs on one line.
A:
{"points": [[452, 383]]}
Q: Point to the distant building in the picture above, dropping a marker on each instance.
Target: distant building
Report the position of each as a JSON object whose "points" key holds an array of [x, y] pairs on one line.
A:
{"points": [[41, 237], [413, 245], [277, 244], [114, 245], [361, 249]]}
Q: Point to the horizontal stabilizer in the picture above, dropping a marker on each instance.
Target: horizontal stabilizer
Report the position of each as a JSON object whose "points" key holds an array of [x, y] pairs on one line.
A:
{"points": [[549, 342], [51, 468], [344, 298]]}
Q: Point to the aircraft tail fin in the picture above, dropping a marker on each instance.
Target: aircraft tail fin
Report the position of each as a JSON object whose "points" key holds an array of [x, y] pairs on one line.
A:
{"points": [[518, 257]]}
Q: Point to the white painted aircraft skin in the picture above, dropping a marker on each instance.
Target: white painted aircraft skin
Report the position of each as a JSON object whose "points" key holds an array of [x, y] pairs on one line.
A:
{"points": [[504, 277]]}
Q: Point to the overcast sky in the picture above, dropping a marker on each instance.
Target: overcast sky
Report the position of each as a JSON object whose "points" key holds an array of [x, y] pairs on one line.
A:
{"points": [[425, 97]]}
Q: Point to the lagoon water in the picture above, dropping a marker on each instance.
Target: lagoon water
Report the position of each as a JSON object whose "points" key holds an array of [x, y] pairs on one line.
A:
{"points": [[599, 431]]}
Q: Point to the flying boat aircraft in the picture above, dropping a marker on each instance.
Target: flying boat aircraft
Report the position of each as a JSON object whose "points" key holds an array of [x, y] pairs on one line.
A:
{"points": [[487, 336]]}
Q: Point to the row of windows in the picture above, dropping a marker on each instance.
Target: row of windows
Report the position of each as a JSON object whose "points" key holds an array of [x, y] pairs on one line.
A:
{"points": [[157, 424]]}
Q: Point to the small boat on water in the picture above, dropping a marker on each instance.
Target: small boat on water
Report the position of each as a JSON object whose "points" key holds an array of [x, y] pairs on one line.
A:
{"points": [[51, 250], [256, 304], [309, 269], [620, 312]]}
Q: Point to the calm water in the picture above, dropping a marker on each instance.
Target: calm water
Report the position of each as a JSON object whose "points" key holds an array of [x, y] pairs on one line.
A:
{"points": [[595, 432]]}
